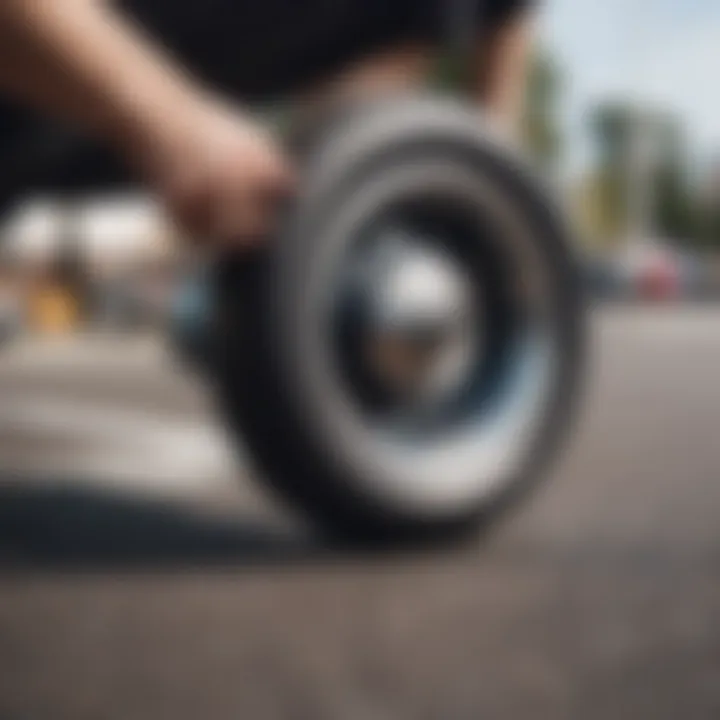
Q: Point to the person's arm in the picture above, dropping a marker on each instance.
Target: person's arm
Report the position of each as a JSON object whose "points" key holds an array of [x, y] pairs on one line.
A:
{"points": [[503, 64], [82, 60]]}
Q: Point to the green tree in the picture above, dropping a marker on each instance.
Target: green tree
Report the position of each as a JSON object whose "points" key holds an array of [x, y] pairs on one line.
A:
{"points": [[618, 129], [675, 211], [541, 124]]}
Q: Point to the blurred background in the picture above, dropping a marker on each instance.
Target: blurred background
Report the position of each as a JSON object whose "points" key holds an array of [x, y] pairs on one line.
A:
{"points": [[620, 115], [144, 575]]}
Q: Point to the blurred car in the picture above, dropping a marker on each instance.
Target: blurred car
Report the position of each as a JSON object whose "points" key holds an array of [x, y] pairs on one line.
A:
{"points": [[660, 278], [650, 270], [602, 279], [697, 278]]}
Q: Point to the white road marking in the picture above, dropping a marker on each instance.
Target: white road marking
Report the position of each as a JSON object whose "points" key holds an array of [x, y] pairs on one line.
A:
{"points": [[120, 445], [86, 354]]}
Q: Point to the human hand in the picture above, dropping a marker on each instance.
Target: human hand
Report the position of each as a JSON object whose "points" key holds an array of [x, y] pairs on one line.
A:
{"points": [[220, 175]]}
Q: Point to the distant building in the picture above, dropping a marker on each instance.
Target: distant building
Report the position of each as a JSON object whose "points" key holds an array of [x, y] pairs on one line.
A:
{"points": [[108, 233]]}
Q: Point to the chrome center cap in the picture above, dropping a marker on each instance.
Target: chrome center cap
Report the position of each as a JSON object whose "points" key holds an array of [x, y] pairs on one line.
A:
{"points": [[421, 319]]}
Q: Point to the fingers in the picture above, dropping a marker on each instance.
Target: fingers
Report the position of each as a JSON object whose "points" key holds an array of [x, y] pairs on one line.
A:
{"points": [[247, 214], [230, 203], [222, 176]]}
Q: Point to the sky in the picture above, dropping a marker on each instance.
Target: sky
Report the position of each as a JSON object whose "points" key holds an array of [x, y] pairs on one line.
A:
{"points": [[662, 52]]}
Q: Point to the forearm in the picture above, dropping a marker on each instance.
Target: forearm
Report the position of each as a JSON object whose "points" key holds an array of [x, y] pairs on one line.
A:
{"points": [[80, 60]]}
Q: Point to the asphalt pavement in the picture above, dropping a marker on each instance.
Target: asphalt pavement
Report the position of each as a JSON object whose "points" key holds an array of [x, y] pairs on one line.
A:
{"points": [[144, 575]]}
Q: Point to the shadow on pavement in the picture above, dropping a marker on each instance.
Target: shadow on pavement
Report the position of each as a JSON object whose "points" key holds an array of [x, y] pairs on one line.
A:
{"points": [[64, 528]]}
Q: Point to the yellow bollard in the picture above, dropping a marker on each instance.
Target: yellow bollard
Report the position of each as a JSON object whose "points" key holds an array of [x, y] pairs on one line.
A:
{"points": [[54, 311]]}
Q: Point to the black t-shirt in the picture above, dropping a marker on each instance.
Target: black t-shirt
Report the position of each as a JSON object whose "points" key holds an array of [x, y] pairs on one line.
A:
{"points": [[256, 47]]}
